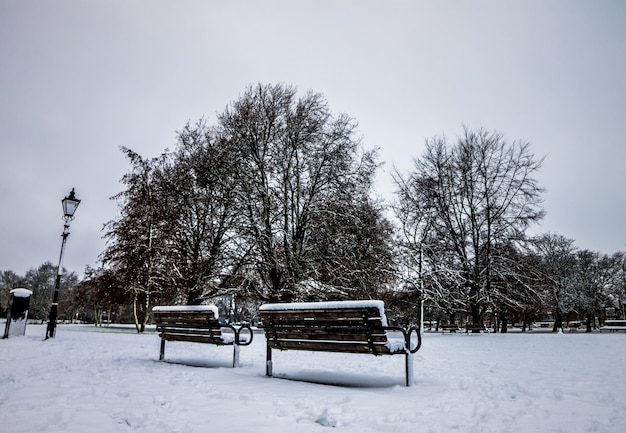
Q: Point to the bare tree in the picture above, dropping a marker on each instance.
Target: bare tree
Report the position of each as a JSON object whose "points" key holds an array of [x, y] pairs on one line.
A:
{"points": [[597, 278], [205, 249], [295, 158], [617, 296], [41, 281], [102, 294], [352, 246], [516, 285], [557, 264], [139, 240], [9, 280], [478, 193], [273, 200]]}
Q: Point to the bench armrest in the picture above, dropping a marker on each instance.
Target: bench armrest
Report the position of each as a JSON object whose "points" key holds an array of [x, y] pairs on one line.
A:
{"points": [[237, 333], [238, 339], [406, 332]]}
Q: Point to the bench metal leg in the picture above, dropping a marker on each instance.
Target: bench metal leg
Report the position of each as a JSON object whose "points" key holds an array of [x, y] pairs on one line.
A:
{"points": [[268, 361], [235, 356], [162, 352], [408, 360]]}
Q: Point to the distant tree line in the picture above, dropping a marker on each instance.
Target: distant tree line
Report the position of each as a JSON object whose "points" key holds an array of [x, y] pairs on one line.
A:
{"points": [[276, 203], [41, 282], [464, 212]]}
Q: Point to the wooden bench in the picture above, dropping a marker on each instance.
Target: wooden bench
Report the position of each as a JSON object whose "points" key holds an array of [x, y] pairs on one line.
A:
{"points": [[448, 327], [198, 324], [613, 326], [574, 326], [543, 325], [475, 328], [345, 326]]}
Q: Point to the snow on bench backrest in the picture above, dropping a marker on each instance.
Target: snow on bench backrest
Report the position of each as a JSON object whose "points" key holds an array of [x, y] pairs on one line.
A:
{"points": [[328, 305], [609, 323], [174, 308]]}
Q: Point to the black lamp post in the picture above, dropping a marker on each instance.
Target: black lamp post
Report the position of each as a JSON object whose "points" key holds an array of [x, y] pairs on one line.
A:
{"points": [[70, 203]]}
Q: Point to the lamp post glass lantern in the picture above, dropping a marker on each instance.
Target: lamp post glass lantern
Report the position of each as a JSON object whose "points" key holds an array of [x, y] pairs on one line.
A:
{"points": [[70, 204]]}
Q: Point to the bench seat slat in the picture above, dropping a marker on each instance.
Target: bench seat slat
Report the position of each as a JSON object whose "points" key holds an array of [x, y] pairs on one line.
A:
{"points": [[329, 346], [204, 321], [334, 313], [190, 331], [338, 314], [207, 326], [184, 319], [193, 338], [321, 334], [339, 322]]}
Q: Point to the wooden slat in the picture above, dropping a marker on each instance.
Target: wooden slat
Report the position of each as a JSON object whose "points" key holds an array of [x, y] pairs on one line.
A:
{"points": [[185, 315], [346, 313], [190, 331], [279, 322], [324, 326], [179, 319], [357, 334], [213, 323], [294, 319], [183, 327], [186, 322], [186, 312], [334, 346], [192, 338], [354, 335]]}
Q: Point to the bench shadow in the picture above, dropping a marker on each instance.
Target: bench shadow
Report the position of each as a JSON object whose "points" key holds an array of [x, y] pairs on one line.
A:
{"points": [[203, 363], [343, 380]]}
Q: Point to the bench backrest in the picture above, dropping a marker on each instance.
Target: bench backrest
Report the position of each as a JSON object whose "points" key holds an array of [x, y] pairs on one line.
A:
{"points": [[354, 330], [617, 323], [199, 326]]}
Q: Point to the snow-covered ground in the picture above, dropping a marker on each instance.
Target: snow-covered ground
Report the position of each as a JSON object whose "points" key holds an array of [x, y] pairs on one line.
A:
{"points": [[89, 380]]}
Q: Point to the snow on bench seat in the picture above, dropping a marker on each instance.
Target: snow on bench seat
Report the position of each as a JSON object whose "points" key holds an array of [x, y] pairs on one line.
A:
{"points": [[329, 305]]}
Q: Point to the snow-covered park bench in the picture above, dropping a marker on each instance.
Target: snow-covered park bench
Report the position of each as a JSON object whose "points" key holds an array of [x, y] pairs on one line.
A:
{"points": [[448, 327], [198, 324], [343, 326], [613, 326], [475, 328]]}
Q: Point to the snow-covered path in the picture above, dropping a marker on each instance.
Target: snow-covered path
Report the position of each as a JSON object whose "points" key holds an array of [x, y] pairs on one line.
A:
{"points": [[85, 380]]}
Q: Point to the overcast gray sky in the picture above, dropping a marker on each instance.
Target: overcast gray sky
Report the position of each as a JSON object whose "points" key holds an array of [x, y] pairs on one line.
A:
{"points": [[80, 78]]}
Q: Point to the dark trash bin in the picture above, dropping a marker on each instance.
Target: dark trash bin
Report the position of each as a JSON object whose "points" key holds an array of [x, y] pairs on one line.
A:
{"points": [[17, 312]]}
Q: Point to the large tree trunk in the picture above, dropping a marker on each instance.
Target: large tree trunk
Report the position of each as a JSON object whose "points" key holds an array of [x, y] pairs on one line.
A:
{"points": [[98, 316], [558, 321], [504, 322], [527, 320], [478, 312], [590, 320], [140, 311]]}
